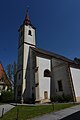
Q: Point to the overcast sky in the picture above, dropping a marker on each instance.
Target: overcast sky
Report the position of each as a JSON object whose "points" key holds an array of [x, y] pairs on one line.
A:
{"points": [[57, 23]]}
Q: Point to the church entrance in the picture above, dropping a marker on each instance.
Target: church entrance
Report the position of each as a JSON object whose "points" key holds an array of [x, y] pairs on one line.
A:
{"points": [[45, 94]]}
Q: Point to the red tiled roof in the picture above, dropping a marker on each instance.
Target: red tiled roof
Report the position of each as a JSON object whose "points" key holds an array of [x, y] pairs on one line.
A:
{"points": [[1, 70], [4, 76]]}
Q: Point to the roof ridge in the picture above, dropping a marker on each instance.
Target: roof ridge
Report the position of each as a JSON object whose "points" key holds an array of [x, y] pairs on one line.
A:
{"points": [[52, 54]]}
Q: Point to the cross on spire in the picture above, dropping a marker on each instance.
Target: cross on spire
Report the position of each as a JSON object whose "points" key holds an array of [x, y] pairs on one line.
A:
{"points": [[27, 10], [27, 19]]}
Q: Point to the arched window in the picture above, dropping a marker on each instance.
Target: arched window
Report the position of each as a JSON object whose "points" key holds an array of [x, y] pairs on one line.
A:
{"points": [[29, 32], [47, 73]]}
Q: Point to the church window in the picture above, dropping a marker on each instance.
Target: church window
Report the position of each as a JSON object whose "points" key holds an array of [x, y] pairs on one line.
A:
{"points": [[29, 33], [47, 73], [60, 87]]}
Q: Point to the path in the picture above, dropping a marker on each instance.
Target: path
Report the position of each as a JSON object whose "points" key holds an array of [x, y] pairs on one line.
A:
{"points": [[59, 114], [75, 116], [6, 107]]}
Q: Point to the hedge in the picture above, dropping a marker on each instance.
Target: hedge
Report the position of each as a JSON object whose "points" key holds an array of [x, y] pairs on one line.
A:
{"points": [[7, 96]]}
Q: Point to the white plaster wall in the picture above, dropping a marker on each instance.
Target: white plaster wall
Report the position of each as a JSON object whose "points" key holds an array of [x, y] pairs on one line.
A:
{"points": [[20, 57], [26, 51], [26, 63], [44, 82], [76, 80], [28, 38], [23, 55]]}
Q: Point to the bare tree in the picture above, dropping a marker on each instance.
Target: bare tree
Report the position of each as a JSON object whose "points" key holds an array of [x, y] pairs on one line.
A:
{"points": [[11, 72]]}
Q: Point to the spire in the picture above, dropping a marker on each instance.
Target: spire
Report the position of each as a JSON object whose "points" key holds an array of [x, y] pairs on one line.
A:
{"points": [[27, 19]]}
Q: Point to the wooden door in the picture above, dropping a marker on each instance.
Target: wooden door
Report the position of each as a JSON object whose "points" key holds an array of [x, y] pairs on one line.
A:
{"points": [[45, 94]]}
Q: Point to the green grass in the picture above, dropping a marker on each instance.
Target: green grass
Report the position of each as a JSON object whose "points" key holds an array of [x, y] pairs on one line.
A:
{"points": [[1, 103], [27, 112]]}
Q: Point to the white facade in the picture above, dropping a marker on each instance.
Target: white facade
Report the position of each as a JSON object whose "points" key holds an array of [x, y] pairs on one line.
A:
{"points": [[29, 38], [26, 39], [76, 81], [44, 82], [42, 75]]}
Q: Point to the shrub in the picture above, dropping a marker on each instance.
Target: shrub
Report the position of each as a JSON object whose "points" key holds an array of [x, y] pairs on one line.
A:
{"points": [[62, 98], [57, 98], [67, 98], [7, 96]]}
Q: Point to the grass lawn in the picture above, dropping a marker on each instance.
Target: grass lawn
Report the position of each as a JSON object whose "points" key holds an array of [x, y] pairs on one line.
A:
{"points": [[27, 112], [1, 103]]}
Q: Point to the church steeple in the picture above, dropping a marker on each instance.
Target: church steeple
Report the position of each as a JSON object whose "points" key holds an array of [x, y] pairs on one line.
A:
{"points": [[27, 19], [26, 40]]}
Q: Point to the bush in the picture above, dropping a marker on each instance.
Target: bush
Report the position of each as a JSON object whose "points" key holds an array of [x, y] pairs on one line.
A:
{"points": [[67, 98], [62, 98], [57, 98], [7, 96]]}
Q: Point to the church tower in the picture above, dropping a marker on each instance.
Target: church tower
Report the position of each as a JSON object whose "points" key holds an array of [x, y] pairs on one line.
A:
{"points": [[26, 40]]}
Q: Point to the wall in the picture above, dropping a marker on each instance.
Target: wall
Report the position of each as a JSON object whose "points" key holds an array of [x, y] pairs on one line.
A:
{"points": [[44, 82], [60, 72], [28, 38], [76, 81], [24, 62]]}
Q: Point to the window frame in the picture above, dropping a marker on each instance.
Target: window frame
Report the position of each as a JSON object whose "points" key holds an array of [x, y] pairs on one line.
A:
{"points": [[30, 32], [47, 73], [60, 85]]}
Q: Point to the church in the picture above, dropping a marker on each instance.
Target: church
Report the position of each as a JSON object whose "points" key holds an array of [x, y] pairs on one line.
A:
{"points": [[42, 75]]}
